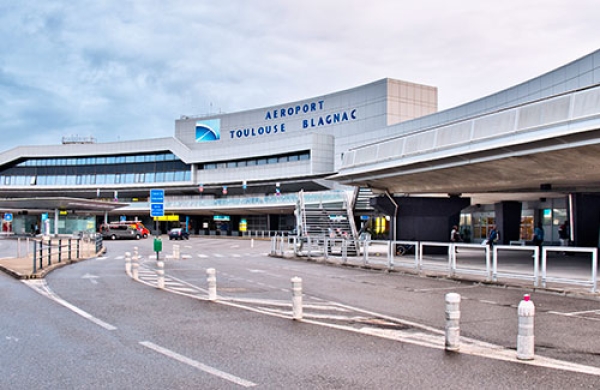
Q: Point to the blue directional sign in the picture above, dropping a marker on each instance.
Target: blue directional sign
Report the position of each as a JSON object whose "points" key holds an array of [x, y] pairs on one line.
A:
{"points": [[157, 196], [157, 210], [8, 217]]}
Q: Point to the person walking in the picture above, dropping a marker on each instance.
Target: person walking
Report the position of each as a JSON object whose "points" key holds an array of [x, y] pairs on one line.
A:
{"points": [[455, 236], [563, 233], [538, 235], [493, 237]]}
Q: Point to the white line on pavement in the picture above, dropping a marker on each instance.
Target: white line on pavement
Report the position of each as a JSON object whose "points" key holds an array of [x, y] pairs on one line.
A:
{"points": [[198, 365], [41, 287]]}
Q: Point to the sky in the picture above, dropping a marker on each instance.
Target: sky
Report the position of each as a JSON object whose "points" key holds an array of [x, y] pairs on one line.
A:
{"points": [[119, 70]]}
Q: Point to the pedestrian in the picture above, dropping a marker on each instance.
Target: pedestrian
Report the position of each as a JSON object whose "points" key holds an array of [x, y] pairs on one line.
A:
{"points": [[563, 233], [455, 236], [493, 237], [538, 235]]}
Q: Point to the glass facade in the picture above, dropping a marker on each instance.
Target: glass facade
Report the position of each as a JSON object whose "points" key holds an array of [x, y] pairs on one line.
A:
{"points": [[277, 159], [99, 170]]}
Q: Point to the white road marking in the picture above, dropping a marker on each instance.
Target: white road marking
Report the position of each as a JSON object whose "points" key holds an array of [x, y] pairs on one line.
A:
{"points": [[40, 286], [198, 365], [91, 278]]}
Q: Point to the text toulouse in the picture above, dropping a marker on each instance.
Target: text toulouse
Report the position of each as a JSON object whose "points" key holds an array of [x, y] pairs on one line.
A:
{"points": [[292, 111]]}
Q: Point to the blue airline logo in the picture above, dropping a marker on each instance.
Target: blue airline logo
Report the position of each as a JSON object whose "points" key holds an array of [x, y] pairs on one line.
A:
{"points": [[208, 130]]}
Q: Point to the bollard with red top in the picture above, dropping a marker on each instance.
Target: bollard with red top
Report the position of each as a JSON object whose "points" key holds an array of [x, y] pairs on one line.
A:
{"points": [[525, 338]]}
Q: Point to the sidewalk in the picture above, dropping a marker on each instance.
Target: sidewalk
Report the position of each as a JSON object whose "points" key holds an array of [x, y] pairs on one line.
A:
{"points": [[23, 267]]}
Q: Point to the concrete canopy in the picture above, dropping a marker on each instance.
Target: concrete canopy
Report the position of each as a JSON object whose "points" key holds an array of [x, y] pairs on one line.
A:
{"points": [[59, 203]]}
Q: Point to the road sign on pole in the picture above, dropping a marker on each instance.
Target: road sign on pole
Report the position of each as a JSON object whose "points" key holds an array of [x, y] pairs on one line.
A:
{"points": [[157, 203]]}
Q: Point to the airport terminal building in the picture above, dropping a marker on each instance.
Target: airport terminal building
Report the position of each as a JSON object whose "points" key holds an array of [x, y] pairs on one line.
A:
{"points": [[286, 167]]}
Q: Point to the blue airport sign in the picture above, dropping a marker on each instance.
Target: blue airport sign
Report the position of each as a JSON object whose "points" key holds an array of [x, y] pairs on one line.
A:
{"points": [[8, 217], [157, 196], [157, 210]]}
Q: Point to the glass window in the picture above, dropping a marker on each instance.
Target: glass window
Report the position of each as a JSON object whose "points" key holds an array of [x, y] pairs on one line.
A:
{"points": [[261, 161], [100, 160], [170, 176], [160, 157], [160, 177], [293, 158], [283, 159], [111, 160], [120, 159], [272, 160], [81, 161], [149, 177], [149, 158], [130, 159], [251, 162], [188, 176], [231, 164], [179, 176], [304, 156], [242, 163], [117, 178], [139, 159], [210, 166], [90, 161], [79, 180], [170, 157], [129, 178]]}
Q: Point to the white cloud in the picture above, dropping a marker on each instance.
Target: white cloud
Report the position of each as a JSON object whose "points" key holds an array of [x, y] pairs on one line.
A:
{"points": [[128, 69]]}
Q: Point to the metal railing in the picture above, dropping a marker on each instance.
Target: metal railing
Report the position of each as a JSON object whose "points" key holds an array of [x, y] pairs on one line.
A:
{"points": [[489, 263], [49, 251]]}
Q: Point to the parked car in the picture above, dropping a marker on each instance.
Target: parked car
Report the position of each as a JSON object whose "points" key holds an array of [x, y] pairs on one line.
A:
{"points": [[141, 228], [178, 234], [115, 232]]}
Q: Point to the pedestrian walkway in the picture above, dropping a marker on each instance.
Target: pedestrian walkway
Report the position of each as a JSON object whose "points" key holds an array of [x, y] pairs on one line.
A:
{"points": [[24, 268]]}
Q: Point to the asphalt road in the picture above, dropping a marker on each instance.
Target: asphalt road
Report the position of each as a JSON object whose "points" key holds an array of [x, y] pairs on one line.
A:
{"points": [[94, 327]]}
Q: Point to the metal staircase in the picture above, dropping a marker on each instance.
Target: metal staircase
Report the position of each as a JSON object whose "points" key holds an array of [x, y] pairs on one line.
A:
{"points": [[327, 218]]}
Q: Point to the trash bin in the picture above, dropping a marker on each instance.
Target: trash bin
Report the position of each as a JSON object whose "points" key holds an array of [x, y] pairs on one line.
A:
{"points": [[157, 245]]}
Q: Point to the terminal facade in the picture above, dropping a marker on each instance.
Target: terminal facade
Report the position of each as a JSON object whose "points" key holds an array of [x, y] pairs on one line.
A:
{"points": [[262, 170]]}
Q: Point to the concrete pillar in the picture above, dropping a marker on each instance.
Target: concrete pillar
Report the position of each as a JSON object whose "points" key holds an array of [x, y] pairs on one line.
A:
{"points": [[584, 209], [128, 263], [211, 278], [508, 221], [423, 218], [160, 273], [297, 298], [452, 322]]}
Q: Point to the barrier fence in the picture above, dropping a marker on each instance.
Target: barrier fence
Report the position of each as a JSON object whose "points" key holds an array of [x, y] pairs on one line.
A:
{"points": [[51, 251], [538, 265]]}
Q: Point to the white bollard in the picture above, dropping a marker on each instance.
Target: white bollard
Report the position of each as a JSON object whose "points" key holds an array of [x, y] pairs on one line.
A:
{"points": [[252, 243], [452, 322], [297, 297], [160, 273], [525, 338], [176, 251], [135, 265], [212, 284], [128, 263]]}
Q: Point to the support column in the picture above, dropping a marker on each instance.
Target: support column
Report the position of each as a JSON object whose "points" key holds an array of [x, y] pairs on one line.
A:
{"points": [[508, 221], [423, 218], [584, 210], [56, 215]]}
